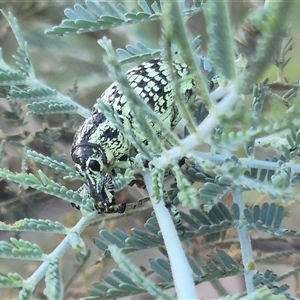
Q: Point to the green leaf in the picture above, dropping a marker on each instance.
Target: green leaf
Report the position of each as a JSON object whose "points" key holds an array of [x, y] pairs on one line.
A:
{"points": [[187, 194], [54, 164], [15, 114], [122, 181], [260, 38], [138, 52], [78, 244], [51, 107], [268, 278], [49, 137], [11, 280], [54, 284], [34, 226], [136, 277], [32, 94], [8, 78], [23, 58], [101, 15], [213, 193], [221, 48], [280, 212], [95, 7], [162, 268], [268, 218], [84, 13], [112, 238], [222, 266], [226, 261], [26, 293], [51, 188], [197, 223], [20, 249], [144, 6]]}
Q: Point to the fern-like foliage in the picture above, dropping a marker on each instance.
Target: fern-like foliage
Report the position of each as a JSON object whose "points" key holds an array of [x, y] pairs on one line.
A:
{"points": [[43, 184], [20, 249], [211, 184], [218, 16], [51, 108], [212, 225], [140, 51], [267, 218], [98, 15], [12, 280], [35, 226], [268, 278], [15, 114], [54, 289], [42, 93], [196, 223], [8, 77], [120, 285], [52, 163]]}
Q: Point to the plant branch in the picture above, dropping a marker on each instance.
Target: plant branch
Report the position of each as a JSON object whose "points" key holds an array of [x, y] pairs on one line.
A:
{"points": [[245, 242], [181, 270], [60, 250]]}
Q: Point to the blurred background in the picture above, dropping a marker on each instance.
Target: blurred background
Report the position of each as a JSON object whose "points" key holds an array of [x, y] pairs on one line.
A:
{"points": [[74, 65]]}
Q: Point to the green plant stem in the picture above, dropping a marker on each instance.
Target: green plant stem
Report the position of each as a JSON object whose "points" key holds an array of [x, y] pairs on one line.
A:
{"points": [[181, 270], [60, 250], [288, 274], [175, 28], [248, 162], [245, 242]]}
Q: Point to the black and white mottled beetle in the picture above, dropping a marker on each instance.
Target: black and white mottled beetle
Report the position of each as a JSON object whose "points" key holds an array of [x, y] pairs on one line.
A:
{"points": [[100, 151]]}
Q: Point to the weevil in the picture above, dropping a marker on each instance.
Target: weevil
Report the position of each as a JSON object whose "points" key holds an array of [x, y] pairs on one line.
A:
{"points": [[100, 150]]}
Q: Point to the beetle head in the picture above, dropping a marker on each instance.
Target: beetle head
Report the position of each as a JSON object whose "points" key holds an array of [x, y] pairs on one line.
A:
{"points": [[92, 162]]}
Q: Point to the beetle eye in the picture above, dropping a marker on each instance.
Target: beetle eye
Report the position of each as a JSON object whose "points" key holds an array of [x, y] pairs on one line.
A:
{"points": [[94, 165]]}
